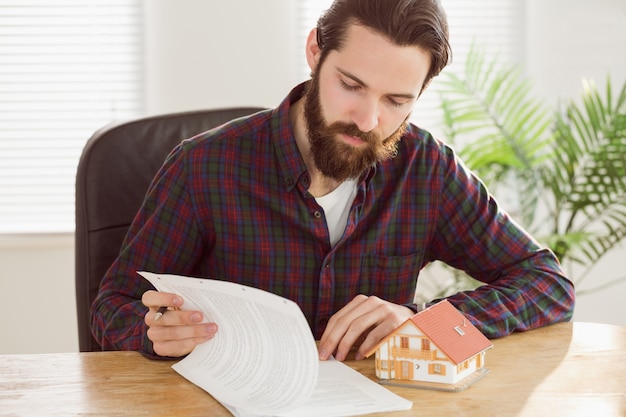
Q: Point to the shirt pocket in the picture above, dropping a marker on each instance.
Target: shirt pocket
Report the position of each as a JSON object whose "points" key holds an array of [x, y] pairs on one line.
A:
{"points": [[392, 278]]}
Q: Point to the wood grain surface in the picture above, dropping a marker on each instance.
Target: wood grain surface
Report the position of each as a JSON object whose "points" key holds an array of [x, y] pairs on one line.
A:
{"points": [[568, 369]]}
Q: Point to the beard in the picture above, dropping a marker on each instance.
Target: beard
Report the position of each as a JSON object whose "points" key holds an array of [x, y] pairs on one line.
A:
{"points": [[334, 158]]}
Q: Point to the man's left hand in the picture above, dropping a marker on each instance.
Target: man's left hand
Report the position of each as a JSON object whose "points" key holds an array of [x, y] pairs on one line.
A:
{"points": [[364, 318]]}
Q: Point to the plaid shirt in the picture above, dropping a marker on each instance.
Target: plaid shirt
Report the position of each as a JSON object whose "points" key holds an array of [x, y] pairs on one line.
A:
{"points": [[232, 204]]}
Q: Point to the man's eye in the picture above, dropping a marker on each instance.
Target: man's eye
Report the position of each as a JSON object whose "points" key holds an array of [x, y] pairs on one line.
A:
{"points": [[349, 87], [396, 103]]}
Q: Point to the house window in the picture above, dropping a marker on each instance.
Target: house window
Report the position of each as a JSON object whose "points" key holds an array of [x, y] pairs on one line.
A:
{"points": [[404, 342], [436, 369], [425, 344]]}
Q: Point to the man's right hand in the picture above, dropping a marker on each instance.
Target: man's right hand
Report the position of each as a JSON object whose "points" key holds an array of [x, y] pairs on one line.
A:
{"points": [[176, 332]]}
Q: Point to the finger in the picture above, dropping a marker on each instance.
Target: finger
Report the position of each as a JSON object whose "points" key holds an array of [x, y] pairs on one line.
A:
{"points": [[375, 335], [160, 312], [158, 334], [156, 299], [172, 317], [371, 320], [336, 328], [158, 304], [364, 320], [339, 324], [180, 340], [391, 316], [354, 304], [176, 349]]}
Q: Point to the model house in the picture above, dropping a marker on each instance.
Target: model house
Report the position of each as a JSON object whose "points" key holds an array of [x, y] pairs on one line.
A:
{"points": [[436, 345]]}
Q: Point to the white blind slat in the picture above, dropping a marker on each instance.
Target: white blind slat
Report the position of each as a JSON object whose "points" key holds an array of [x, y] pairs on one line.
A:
{"points": [[66, 69]]}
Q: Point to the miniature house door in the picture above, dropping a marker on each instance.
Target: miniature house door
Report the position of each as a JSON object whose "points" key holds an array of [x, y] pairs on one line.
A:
{"points": [[404, 370]]}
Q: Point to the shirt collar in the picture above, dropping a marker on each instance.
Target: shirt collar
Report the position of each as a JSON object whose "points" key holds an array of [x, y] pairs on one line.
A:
{"points": [[288, 155]]}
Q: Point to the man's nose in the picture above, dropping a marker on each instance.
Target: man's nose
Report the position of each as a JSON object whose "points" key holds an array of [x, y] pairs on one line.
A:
{"points": [[366, 115]]}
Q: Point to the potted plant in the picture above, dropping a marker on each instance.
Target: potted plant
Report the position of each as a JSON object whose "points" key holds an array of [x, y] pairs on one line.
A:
{"points": [[566, 166]]}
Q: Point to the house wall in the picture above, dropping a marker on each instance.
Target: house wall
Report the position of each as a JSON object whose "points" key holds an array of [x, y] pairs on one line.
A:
{"points": [[420, 367]]}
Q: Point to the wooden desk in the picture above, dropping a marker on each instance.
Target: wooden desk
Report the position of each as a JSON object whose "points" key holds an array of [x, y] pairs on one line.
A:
{"points": [[569, 369]]}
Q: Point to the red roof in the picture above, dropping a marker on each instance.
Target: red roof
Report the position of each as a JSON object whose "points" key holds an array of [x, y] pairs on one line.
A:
{"points": [[451, 331]]}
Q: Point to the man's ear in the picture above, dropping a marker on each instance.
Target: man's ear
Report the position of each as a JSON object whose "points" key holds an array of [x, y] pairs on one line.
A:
{"points": [[313, 50]]}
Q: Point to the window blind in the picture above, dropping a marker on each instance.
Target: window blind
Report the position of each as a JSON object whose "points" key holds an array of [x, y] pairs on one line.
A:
{"points": [[497, 25], [67, 68]]}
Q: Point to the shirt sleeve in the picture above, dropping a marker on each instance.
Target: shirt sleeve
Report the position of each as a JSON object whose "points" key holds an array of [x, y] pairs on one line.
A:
{"points": [[162, 238], [525, 286]]}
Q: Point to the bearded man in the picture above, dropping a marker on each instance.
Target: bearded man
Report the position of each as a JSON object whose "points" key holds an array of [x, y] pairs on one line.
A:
{"points": [[333, 200]]}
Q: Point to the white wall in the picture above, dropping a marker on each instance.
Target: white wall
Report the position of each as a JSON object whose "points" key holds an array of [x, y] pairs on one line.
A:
{"points": [[571, 39], [199, 56], [37, 291], [204, 54]]}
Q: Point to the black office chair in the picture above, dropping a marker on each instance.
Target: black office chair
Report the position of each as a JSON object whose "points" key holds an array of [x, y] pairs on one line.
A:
{"points": [[114, 172]]}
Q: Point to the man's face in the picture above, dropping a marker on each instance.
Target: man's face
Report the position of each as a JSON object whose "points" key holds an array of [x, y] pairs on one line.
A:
{"points": [[358, 102]]}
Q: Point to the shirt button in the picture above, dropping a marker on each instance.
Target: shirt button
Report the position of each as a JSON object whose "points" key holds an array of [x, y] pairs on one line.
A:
{"points": [[289, 182], [317, 214], [323, 321]]}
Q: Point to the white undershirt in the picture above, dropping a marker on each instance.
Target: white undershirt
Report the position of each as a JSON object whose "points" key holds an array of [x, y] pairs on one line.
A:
{"points": [[336, 205]]}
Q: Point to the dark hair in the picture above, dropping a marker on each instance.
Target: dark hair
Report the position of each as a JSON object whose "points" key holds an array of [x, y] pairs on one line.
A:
{"points": [[420, 23]]}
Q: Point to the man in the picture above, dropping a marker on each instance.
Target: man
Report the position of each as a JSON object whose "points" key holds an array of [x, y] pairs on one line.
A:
{"points": [[332, 200]]}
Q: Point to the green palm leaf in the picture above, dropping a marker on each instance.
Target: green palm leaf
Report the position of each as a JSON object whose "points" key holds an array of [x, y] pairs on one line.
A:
{"points": [[502, 127], [568, 167], [592, 193]]}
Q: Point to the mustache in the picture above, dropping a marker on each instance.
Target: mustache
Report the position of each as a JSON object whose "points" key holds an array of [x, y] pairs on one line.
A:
{"points": [[351, 129]]}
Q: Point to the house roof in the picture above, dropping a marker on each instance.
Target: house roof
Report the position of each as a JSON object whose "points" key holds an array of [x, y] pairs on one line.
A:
{"points": [[450, 330]]}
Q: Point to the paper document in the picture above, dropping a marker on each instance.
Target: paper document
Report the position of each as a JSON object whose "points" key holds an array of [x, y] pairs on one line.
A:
{"points": [[263, 360]]}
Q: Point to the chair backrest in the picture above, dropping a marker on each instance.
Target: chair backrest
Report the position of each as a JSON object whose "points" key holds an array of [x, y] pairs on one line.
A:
{"points": [[114, 172]]}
